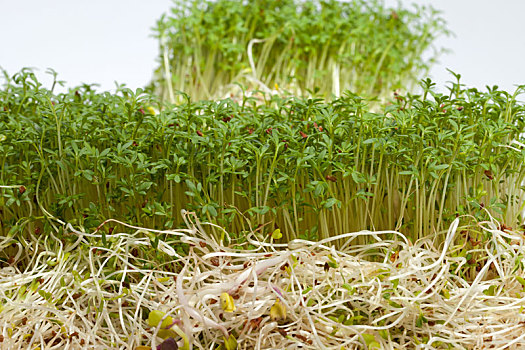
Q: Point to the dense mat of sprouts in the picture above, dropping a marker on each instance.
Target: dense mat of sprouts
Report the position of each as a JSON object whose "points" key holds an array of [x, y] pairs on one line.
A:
{"points": [[309, 167], [390, 294], [310, 47]]}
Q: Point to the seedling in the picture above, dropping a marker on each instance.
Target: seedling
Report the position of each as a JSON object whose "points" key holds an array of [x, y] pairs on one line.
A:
{"points": [[422, 298], [319, 48], [413, 167]]}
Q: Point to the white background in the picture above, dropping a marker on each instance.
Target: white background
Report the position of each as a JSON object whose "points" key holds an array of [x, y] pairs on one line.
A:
{"points": [[103, 41]]}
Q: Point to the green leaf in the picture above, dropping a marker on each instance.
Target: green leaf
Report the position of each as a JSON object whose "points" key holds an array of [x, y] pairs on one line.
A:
{"points": [[350, 289], [332, 263], [191, 186], [454, 124], [230, 343], [155, 316], [88, 175], [358, 177], [261, 210], [278, 311], [395, 283], [227, 303], [319, 190], [211, 209], [420, 320], [370, 341], [394, 304], [441, 166], [490, 291], [276, 234], [330, 202]]}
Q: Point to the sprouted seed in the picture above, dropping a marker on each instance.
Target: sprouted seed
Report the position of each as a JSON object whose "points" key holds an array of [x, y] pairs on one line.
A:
{"points": [[286, 167], [305, 47], [261, 295]]}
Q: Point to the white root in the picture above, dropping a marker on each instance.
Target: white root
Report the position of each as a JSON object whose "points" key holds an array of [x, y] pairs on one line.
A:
{"points": [[83, 295]]}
